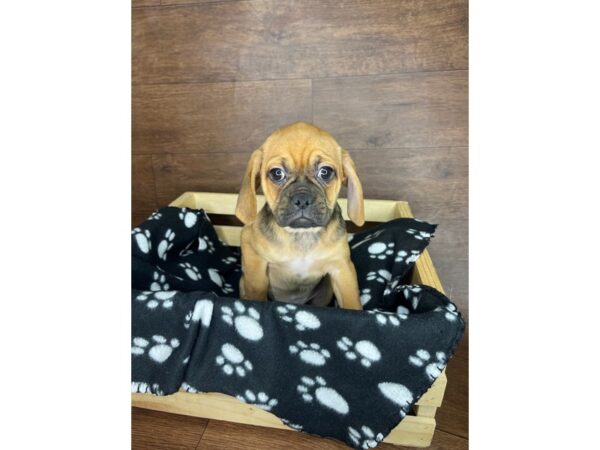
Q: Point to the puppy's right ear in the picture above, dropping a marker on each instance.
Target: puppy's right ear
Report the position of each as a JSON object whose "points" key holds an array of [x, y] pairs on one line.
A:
{"points": [[245, 209]]}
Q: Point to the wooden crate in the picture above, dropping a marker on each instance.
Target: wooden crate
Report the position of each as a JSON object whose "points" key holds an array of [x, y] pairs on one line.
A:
{"points": [[415, 430]]}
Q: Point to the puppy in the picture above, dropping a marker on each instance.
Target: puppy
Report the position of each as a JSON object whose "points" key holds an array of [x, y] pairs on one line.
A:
{"points": [[296, 249]]}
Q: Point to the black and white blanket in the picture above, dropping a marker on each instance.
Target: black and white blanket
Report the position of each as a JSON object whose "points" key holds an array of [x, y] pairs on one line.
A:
{"points": [[351, 375]]}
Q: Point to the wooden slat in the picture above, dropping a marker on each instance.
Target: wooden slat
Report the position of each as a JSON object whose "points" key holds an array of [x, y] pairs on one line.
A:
{"points": [[425, 411], [143, 194], [394, 111], [415, 431], [141, 3], [203, 118], [271, 39]]}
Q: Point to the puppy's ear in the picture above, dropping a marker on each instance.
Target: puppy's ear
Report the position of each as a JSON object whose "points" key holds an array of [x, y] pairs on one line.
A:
{"points": [[356, 207], [245, 209]]}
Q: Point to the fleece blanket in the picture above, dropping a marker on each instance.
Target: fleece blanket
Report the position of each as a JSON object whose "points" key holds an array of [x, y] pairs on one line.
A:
{"points": [[350, 375]]}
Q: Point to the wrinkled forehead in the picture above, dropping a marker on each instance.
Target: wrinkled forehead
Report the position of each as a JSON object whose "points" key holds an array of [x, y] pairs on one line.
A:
{"points": [[298, 151]]}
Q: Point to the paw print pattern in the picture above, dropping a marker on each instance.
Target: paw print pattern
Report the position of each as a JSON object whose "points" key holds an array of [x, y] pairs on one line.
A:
{"points": [[202, 312], [159, 283], [450, 312], [216, 278], [293, 426], [391, 286], [402, 312], [311, 354], [381, 276], [160, 350], [229, 260], [385, 318], [398, 394], [155, 216], [189, 218], [365, 351], [244, 320], [404, 256], [365, 438], [420, 235], [303, 320], [412, 292], [187, 388], [380, 250], [139, 387], [154, 299], [232, 361], [433, 369], [166, 244], [365, 296], [191, 271], [316, 388], [260, 400], [142, 239], [204, 243]]}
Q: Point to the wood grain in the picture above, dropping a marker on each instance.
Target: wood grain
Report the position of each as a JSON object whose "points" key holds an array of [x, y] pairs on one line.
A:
{"points": [[155, 430], [394, 111], [227, 436], [202, 118], [273, 39], [142, 3], [143, 194]]}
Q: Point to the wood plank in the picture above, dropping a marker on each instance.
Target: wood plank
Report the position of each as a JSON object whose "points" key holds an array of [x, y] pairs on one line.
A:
{"points": [[274, 39], [228, 436], [453, 416], [394, 111], [203, 118], [142, 3], [143, 194], [160, 431]]}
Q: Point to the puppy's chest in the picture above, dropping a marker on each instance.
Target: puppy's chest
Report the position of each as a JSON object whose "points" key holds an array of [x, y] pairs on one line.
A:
{"points": [[300, 269]]}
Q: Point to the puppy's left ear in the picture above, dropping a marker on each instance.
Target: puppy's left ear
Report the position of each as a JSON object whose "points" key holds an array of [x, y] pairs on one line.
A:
{"points": [[356, 207], [245, 209]]}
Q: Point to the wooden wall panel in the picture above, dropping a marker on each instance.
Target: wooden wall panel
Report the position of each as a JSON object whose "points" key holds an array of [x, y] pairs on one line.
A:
{"points": [[199, 118], [141, 3], [152, 430], [269, 39], [143, 191], [394, 111]]}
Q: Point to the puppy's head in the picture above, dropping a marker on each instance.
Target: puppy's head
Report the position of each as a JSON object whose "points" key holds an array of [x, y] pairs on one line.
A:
{"points": [[301, 170]]}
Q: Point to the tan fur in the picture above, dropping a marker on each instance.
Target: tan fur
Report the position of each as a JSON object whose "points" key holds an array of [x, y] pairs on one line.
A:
{"points": [[278, 260]]}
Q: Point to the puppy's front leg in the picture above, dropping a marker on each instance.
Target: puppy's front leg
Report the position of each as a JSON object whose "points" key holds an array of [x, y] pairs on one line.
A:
{"points": [[254, 284], [345, 285]]}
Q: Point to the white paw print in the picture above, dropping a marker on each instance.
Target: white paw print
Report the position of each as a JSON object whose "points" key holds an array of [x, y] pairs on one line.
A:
{"points": [[204, 243], [202, 312], [365, 438], [365, 296], [187, 388], [156, 298], [294, 426], [155, 216], [366, 351], [165, 245], [412, 290], [139, 387], [381, 276], [229, 260], [391, 286], [160, 350], [403, 256], [385, 318], [379, 250], [216, 278], [317, 388], [189, 218], [142, 239], [402, 312], [310, 353], [159, 283], [245, 320], [450, 311], [302, 319], [398, 394], [434, 368], [191, 271], [420, 235], [260, 400], [232, 360]]}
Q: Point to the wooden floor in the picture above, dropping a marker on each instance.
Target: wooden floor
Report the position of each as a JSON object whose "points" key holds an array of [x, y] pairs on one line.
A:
{"points": [[388, 78]]}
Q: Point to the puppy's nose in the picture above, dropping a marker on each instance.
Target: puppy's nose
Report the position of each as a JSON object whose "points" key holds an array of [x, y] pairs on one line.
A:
{"points": [[302, 200]]}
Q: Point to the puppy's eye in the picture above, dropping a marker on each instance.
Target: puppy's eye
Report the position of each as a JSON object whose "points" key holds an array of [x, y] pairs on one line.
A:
{"points": [[277, 174], [325, 173]]}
